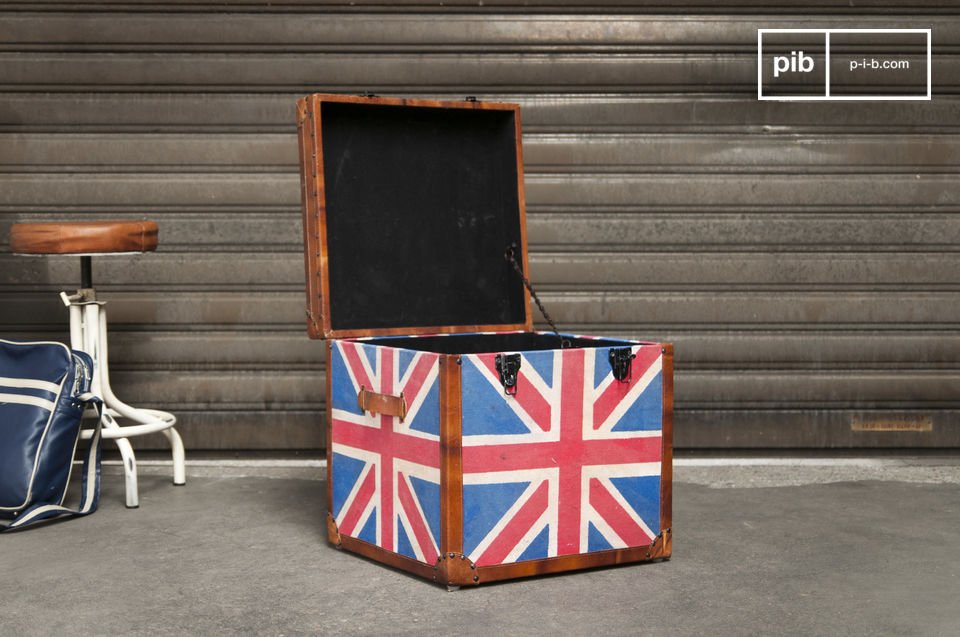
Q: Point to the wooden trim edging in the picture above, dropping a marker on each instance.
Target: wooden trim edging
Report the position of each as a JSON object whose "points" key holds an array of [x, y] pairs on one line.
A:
{"points": [[666, 460]]}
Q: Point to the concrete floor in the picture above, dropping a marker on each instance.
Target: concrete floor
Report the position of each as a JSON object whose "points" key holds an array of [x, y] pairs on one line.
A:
{"points": [[765, 547]]}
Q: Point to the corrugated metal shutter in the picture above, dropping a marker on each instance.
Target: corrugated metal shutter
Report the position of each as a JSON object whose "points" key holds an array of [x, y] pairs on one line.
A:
{"points": [[803, 257]]}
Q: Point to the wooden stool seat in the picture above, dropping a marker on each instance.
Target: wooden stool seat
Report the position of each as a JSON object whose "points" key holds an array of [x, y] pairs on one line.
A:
{"points": [[79, 237]]}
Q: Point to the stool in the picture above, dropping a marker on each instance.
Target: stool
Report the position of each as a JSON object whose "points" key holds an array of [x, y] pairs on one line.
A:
{"points": [[88, 326]]}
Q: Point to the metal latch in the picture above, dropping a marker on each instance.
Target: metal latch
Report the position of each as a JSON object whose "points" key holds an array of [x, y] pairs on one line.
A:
{"points": [[508, 365], [621, 360]]}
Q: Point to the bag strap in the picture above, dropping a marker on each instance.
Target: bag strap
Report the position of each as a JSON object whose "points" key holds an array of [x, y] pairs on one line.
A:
{"points": [[90, 482]]}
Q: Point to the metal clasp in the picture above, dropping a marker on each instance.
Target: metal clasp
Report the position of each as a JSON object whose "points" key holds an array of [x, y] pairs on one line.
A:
{"points": [[508, 365], [621, 360]]}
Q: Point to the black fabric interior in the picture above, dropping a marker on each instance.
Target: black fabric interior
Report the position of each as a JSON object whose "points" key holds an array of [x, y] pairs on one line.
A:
{"points": [[421, 204], [485, 343]]}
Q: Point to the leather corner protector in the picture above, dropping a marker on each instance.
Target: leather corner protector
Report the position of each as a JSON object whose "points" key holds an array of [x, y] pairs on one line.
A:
{"points": [[662, 547], [456, 569], [302, 110], [314, 327], [333, 534]]}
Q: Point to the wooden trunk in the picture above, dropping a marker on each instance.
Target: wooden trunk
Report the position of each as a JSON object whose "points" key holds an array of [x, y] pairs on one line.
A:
{"points": [[463, 446]]}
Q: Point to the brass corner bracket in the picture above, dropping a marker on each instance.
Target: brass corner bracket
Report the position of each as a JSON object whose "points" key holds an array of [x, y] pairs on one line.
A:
{"points": [[455, 570]]}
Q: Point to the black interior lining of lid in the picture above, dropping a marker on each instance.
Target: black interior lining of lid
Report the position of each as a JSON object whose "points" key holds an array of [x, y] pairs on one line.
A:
{"points": [[421, 204], [485, 343]]}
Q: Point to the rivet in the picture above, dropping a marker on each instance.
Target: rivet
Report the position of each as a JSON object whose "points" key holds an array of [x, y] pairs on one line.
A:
{"points": [[453, 555], [476, 578], [473, 566]]}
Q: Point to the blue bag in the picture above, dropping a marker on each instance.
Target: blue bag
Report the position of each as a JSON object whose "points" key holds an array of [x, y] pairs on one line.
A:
{"points": [[44, 391]]}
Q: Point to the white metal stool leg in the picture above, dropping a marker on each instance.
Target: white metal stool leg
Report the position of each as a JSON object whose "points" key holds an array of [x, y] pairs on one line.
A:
{"points": [[93, 344], [89, 341], [76, 322], [131, 486], [88, 332], [179, 456], [152, 418]]}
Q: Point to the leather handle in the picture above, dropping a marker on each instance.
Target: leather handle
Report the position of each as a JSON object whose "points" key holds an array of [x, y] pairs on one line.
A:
{"points": [[382, 403]]}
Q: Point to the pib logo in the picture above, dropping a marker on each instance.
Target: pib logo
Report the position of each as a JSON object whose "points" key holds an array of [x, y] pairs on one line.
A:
{"points": [[791, 63], [796, 62]]}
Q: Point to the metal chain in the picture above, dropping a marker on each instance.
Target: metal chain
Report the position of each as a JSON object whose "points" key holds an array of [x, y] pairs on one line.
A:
{"points": [[510, 255]]}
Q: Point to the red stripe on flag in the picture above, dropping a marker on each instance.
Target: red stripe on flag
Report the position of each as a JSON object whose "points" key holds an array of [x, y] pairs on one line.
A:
{"points": [[527, 397], [516, 528], [619, 520], [417, 377], [420, 530], [544, 455], [616, 391], [411, 448], [646, 356], [352, 354], [388, 451], [612, 396], [359, 504], [572, 450]]}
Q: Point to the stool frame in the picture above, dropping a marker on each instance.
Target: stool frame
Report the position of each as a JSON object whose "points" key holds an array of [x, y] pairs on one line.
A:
{"points": [[88, 333]]}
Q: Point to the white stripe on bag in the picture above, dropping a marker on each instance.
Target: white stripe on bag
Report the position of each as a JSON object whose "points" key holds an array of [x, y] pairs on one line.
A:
{"points": [[23, 383], [20, 399]]}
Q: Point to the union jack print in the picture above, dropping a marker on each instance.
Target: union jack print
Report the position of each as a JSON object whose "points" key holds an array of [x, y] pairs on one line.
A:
{"points": [[386, 473], [570, 464]]}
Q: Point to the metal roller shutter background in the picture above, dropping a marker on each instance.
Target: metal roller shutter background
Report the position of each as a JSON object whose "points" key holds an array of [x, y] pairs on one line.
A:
{"points": [[802, 257]]}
